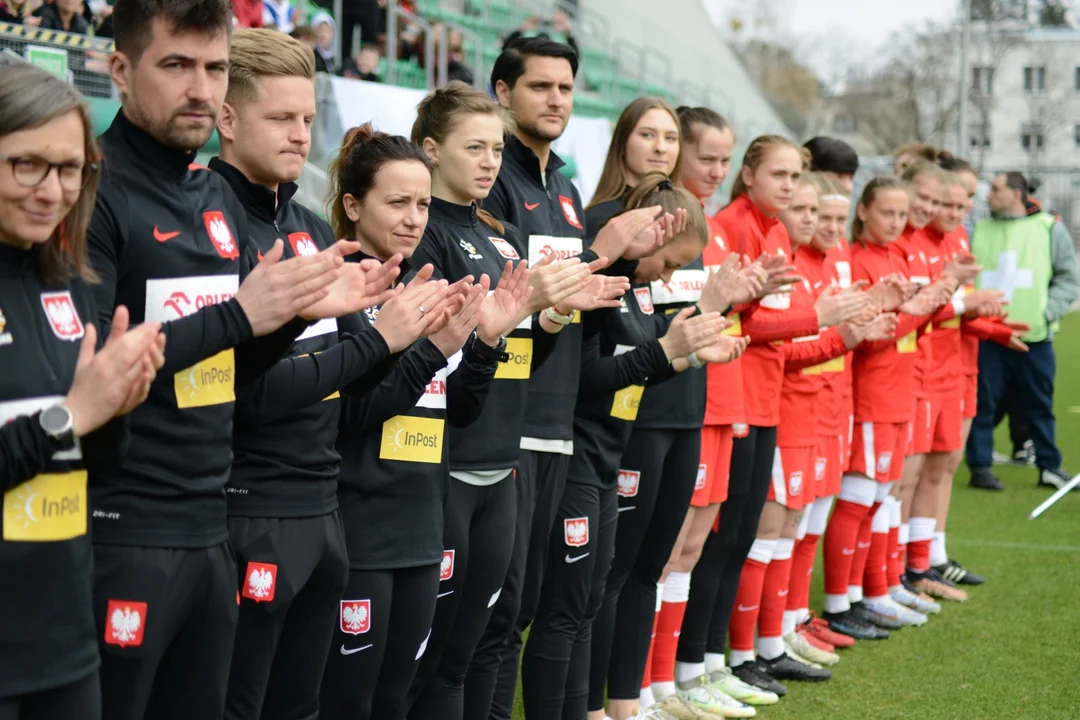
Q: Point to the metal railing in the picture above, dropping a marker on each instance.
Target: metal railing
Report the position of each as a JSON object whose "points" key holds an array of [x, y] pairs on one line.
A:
{"points": [[394, 13], [83, 60], [478, 68]]}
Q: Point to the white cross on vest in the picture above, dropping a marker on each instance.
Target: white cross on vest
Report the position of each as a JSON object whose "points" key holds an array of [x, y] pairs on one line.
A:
{"points": [[1007, 277]]}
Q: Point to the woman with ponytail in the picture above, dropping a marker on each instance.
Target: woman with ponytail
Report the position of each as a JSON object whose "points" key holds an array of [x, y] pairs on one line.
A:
{"points": [[394, 479], [460, 131], [624, 349], [763, 188]]}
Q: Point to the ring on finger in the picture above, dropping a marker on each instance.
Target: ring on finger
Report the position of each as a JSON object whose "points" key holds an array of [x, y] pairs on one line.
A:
{"points": [[421, 309]]}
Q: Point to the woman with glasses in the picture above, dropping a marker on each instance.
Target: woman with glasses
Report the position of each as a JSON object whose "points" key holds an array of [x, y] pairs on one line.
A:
{"points": [[60, 387]]}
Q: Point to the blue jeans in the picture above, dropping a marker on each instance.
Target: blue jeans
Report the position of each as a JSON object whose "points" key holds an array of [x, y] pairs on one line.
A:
{"points": [[1031, 376]]}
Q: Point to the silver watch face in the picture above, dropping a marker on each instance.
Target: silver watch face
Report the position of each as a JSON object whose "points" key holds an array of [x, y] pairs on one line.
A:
{"points": [[56, 420]]}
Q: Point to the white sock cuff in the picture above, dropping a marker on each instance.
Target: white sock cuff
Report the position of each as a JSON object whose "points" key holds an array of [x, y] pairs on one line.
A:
{"points": [[659, 595], [819, 515], [762, 550], [858, 489], [784, 548], [880, 523], [714, 661], [854, 593], [677, 587], [903, 535], [894, 512], [922, 528], [883, 490], [938, 553], [685, 672]]}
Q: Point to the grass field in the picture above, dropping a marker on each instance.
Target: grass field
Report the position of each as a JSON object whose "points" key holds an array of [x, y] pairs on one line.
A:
{"points": [[1013, 651]]}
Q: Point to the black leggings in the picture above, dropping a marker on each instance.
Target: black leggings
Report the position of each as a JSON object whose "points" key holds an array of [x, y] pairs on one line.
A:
{"points": [[658, 472], [555, 666], [715, 579], [380, 633], [480, 530], [80, 700], [492, 680]]}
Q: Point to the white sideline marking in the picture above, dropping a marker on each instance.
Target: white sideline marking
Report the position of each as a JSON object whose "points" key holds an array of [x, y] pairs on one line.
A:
{"points": [[1018, 545]]}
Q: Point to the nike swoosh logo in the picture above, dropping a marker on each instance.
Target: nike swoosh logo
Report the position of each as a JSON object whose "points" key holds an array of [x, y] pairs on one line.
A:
{"points": [[345, 651], [163, 236], [440, 595], [863, 546], [531, 206], [628, 507], [782, 594], [572, 560], [848, 551], [743, 608]]}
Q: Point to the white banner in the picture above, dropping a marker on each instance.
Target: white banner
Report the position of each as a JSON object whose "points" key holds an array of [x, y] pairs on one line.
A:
{"points": [[393, 109]]}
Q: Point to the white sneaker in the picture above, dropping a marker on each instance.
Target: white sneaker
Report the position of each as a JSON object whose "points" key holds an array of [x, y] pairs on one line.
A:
{"points": [[701, 694], [797, 645], [906, 615], [901, 595], [728, 683]]}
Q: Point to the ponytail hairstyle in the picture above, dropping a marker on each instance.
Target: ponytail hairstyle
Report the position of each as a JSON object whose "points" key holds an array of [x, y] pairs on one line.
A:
{"points": [[364, 152], [756, 153], [438, 114], [612, 181], [869, 194], [691, 117], [655, 189], [920, 151]]}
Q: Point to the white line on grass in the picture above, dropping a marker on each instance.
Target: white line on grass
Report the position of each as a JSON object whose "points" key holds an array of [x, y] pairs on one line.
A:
{"points": [[1034, 547]]}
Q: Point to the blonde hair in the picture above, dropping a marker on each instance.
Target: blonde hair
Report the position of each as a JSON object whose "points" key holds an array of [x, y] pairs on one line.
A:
{"points": [[920, 169], [756, 153], [817, 181], [613, 178], [439, 113], [919, 150], [655, 189], [259, 53], [879, 184]]}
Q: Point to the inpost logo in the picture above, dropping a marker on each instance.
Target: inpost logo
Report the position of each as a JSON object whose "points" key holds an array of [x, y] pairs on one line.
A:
{"points": [[412, 439]]}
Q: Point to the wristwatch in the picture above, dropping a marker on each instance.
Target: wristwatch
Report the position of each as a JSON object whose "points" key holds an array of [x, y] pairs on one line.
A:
{"points": [[553, 315], [486, 353], [58, 424]]}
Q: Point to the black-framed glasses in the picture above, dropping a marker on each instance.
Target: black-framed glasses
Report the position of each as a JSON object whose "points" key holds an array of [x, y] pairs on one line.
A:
{"points": [[30, 171]]}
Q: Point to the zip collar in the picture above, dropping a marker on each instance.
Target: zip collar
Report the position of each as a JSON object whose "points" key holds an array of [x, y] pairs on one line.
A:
{"points": [[453, 213], [14, 261], [522, 156], [256, 199], [141, 147]]}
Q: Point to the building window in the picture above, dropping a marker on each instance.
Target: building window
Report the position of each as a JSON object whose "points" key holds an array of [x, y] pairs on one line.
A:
{"points": [[1031, 137], [979, 135], [1034, 79], [982, 80]]}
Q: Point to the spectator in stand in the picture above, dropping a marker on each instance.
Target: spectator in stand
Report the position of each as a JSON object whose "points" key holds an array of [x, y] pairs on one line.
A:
{"points": [[557, 29], [247, 13], [99, 14], [306, 35], [456, 68], [364, 64], [63, 15], [279, 14], [18, 12], [324, 27]]}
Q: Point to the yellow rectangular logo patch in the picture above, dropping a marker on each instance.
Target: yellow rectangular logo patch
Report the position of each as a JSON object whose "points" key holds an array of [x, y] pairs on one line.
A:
{"points": [[47, 508], [736, 329], [412, 439], [909, 343], [836, 365], [520, 363], [209, 382], [626, 403]]}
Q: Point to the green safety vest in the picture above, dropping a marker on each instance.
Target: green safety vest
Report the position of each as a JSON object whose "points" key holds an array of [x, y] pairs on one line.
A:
{"points": [[1016, 258]]}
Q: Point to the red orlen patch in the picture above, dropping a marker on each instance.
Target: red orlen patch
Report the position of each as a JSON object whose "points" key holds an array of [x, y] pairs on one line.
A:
{"points": [[125, 621], [64, 318], [446, 569], [569, 211], [355, 616], [644, 300], [260, 581], [302, 244], [576, 531], [505, 249], [220, 234], [628, 482]]}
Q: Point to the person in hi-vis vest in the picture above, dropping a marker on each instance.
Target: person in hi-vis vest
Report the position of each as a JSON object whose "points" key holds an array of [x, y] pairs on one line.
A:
{"points": [[1032, 259]]}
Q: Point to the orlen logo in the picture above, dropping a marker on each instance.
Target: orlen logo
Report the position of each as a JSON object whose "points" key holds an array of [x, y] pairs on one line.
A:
{"points": [[559, 253], [182, 305]]}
